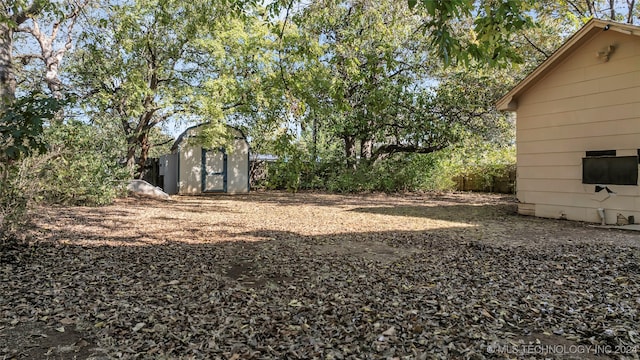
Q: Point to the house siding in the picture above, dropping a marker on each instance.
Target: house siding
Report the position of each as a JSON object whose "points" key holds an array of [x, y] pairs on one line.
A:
{"points": [[582, 104]]}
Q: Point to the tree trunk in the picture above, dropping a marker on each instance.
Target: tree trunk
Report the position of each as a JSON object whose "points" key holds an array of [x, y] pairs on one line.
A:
{"points": [[612, 9], [51, 76], [366, 149], [7, 76], [631, 4], [350, 150], [314, 150], [145, 146], [131, 154]]}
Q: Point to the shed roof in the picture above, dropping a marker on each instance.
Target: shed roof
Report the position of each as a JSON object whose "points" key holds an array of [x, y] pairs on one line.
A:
{"points": [[185, 134], [586, 33]]}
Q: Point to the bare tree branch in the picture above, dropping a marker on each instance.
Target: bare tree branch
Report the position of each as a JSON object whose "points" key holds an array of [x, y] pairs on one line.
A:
{"points": [[32, 10], [630, 7], [51, 57], [575, 7], [535, 46], [591, 6], [164, 142], [26, 58], [408, 148], [612, 9]]}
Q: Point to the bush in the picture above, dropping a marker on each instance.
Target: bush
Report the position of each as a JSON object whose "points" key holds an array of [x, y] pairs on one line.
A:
{"points": [[83, 168], [21, 130], [14, 200], [76, 165], [398, 173], [479, 160]]}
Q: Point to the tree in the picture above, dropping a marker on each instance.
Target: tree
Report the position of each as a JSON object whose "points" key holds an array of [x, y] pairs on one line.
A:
{"points": [[364, 53], [53, 32], [152, 60], [11, 16], [23, 117], [372, 83], [42, 21], [21, 136], [492, 25], [495, 23], [617, 10]]}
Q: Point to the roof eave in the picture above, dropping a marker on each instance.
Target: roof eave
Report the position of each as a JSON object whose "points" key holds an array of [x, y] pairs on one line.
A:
{"points": [[507, 104], [509, 101]]}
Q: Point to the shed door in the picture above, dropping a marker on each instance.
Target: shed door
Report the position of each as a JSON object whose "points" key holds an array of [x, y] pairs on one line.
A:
{"points": [[214, 170]]}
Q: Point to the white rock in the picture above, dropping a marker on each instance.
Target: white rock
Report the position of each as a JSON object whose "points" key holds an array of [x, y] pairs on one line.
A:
{"points": [[142, 187]]}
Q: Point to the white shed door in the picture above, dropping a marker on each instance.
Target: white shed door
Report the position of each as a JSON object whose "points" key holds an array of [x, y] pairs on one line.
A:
{"points": [[214, 170]]}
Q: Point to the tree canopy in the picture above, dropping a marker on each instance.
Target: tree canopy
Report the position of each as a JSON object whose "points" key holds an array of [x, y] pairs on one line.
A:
{"points": [[152, 61], [352, 82], [490, 26]]}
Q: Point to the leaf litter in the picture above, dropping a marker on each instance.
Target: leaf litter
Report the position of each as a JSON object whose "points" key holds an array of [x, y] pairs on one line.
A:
{"points": [[277, 275]]}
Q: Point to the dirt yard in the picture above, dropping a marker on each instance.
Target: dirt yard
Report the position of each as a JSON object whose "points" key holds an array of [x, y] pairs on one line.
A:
{"points": [[301, 276]]}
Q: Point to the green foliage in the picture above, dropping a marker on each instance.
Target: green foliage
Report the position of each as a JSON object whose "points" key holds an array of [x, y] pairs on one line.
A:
{"points": [[398, 173], [363, 76], [44, 160], [160, 141], [214, 135], [492, 26], [14, 199], [289, 171], [27, 8], [472, 158], [489, 32], [21, 128], [287, 174], [82, 168], [493, 30]]}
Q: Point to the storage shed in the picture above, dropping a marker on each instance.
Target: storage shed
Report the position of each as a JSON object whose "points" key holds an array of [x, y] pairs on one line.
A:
{"points": [[578, 127], [192, 169]]}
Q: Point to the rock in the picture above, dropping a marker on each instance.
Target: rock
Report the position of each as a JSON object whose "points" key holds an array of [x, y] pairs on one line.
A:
{"points": [[141, 187]]}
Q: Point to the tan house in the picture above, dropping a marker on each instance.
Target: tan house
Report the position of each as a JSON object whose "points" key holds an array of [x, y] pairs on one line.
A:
{"points": [[192, 169], [578, 127]]}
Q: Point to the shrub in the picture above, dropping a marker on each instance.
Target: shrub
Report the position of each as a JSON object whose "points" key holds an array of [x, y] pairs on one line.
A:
{"points": [[473, 159], [21, 128], [83, 168], [398, 173]]}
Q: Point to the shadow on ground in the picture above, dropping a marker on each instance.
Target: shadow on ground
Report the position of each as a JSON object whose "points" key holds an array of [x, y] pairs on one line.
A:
{"points": [[461, 213], [244, 287]]}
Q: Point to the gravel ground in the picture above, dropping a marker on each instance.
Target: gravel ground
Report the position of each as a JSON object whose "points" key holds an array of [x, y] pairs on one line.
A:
{"points": [[279, 275]]}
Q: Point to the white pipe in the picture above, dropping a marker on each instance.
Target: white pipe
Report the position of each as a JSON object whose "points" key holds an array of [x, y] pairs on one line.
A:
{"points": [[602, 218]]}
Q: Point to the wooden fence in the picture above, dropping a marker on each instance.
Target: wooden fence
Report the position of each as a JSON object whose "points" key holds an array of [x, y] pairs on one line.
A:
{"points": [[503, 184]]}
